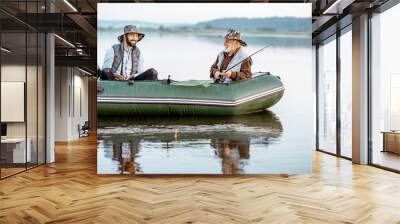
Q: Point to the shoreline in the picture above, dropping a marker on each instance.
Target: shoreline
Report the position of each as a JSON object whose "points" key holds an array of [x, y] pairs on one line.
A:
{"points": [[215, 32]]}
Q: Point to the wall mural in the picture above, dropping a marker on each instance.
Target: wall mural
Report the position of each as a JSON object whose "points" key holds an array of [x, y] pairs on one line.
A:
{"points": [[204, 88]]}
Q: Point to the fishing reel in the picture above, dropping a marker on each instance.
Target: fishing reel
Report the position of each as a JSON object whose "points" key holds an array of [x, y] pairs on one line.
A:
{"points": [[223, 80]]}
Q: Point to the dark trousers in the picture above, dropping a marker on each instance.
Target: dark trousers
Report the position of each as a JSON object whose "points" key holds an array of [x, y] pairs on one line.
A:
{"points": [[149, 74]]}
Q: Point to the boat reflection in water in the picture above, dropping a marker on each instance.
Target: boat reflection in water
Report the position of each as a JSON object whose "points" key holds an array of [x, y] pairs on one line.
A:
{"points": [[187, 145]]}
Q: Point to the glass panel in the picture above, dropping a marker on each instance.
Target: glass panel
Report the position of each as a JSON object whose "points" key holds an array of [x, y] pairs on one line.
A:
{"points": [[31, 86], [23, 89], [31, 98], [346, 93], [41, 99], [327, 96], [394, 101], [386, 89], [13, 86]]}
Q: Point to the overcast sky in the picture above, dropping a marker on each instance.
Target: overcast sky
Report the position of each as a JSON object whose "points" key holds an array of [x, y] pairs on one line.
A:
{"points": [[197, 12]]}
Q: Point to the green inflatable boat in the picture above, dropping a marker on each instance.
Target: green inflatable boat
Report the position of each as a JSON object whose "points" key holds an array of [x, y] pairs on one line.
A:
{"points": [[159, 98]]}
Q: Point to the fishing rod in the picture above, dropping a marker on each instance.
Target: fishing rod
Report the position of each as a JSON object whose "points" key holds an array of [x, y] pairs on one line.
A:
{"points": [[222, 79], [247, 58]]}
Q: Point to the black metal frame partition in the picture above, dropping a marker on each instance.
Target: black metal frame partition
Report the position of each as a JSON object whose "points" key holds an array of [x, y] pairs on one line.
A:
{"points": [[339, 32], [44, 77]]}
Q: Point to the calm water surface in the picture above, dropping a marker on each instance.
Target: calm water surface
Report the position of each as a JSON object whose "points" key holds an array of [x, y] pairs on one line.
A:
{"points": [[279, 140]]}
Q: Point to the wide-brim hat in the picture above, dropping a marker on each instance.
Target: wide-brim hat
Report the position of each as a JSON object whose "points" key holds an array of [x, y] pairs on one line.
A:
{"points": [[235, 35], [131, 29]]}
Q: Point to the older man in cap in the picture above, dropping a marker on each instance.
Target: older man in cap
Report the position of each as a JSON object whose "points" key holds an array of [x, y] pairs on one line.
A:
{"points": [[123, 61], [222, 70]]}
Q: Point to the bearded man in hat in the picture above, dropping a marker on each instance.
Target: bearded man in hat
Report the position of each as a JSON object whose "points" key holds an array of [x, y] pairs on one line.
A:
{"points": [[232, 54], [123, 61]]}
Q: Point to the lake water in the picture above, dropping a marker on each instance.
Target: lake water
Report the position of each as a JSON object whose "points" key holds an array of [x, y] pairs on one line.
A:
{"points": [[279, 140]]}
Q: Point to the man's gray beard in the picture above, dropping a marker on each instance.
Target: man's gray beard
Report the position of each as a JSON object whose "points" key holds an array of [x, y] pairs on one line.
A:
{"points": [[227, 49]]}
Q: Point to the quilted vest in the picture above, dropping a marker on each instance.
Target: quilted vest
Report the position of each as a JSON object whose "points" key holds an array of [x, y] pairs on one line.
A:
{"points": [[118, 56], [240, 55]]}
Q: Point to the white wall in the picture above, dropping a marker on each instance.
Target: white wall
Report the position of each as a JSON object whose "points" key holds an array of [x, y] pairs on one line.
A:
{"points": [[71, 102], [12, 73], [62, 81]]}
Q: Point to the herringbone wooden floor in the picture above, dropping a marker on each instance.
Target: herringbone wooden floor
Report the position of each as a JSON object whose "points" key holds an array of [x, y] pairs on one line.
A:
{"points": [[69, 191]]}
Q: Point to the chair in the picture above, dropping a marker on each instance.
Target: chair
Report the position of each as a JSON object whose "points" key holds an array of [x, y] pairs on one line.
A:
{"points": [[84, 130]]}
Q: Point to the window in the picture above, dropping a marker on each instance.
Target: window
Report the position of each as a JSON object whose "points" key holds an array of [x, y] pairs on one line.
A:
{"points": [[346, 93], [385, 89], [327, 96]]}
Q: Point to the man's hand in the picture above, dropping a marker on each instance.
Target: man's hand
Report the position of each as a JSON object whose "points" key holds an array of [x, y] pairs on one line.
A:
{"points": [[129, 77], [217, 74], [227, 74], [118, 76]]}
